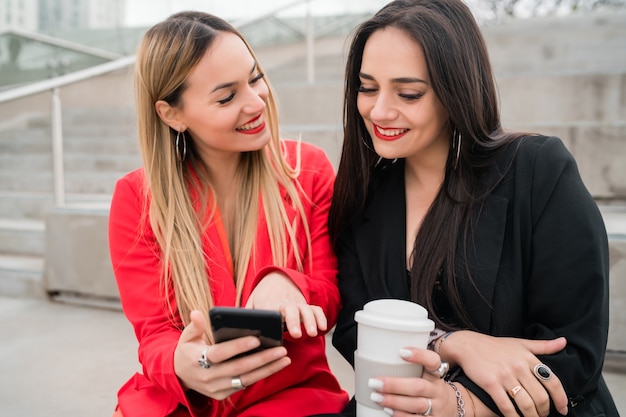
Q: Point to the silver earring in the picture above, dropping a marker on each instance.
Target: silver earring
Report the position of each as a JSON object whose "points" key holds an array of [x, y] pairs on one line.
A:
{"points": [[456, 143], [181, 154]]}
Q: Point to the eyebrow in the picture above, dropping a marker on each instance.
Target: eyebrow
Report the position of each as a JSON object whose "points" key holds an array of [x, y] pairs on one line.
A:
{"points": [[228, 85], [399, 80]]}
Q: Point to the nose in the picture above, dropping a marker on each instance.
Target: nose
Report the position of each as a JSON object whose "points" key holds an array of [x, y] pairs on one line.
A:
{"points": [[256, 97], [383, 108]]}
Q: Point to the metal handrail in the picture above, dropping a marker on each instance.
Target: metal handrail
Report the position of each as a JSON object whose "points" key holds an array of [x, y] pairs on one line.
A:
{"points": [[39, 37], [63, 80]]}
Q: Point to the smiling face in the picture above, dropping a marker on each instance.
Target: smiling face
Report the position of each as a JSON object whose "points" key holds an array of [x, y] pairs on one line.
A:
{"points": [[399, 107], [222, 107]]}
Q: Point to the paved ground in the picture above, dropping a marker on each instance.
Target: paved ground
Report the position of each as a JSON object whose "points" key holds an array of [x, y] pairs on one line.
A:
{"points": [[63, 360]]}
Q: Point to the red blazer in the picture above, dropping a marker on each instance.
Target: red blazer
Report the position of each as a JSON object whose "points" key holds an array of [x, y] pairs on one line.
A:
{"points": [[305, 387]]}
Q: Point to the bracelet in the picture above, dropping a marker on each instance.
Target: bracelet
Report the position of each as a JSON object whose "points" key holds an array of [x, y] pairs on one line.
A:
{"points": [[434, 337], [437, 345], [460, 404]]}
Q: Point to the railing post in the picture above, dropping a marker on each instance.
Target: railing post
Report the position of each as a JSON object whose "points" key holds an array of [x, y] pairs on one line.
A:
{"points": [[58, 171], [310, 52]]}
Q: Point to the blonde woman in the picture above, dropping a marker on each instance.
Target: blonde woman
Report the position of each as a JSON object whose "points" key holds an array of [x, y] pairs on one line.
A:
{"points": [[223, 213]]}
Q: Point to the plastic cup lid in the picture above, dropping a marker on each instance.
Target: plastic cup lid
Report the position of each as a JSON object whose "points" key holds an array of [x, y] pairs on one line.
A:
{"points": [[395, 314]]}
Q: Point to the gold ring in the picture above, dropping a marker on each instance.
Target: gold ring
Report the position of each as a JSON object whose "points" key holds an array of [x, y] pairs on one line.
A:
{"points": [[513, 391]]}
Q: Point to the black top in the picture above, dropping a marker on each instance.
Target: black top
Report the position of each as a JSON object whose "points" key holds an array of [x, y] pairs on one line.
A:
{"points": [[540, 265]]}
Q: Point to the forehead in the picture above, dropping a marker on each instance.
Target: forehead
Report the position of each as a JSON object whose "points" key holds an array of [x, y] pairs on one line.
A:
{"points": [[393, 51], [226, 58]]}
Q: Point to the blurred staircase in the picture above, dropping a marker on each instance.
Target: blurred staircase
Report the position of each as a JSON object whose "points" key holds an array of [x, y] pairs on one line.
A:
{"points": [[99, 147]]}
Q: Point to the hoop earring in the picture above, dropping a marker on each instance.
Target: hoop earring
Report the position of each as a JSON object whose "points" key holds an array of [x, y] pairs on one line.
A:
{"points": [[456, 143], [181, 154]]}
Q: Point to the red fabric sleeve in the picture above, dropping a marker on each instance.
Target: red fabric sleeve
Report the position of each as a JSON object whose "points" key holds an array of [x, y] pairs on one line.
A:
{"points": [[318, 281], [136, 257]]}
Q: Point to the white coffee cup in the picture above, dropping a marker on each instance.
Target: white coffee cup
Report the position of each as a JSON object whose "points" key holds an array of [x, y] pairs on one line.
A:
{"points": [[384, 327]]}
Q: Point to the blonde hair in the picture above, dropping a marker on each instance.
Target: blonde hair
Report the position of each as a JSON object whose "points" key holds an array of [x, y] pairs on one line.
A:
{"points": [[167, 54]]}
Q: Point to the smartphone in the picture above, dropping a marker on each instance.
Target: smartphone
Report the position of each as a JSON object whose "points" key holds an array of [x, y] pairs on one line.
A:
{"points": [[232, 322]]}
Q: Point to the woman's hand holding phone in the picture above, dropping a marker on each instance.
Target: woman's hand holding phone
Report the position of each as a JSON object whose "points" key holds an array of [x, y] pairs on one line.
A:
{"points": [[225, 374]]}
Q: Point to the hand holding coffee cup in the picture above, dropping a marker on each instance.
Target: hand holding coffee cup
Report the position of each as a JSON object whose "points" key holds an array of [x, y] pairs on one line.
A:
{"points": [[384, 327]]}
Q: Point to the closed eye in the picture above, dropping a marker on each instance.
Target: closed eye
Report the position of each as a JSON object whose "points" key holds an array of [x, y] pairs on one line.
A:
{"points": [[367, 90], [227, 99], [257, 78], [412, 97]]}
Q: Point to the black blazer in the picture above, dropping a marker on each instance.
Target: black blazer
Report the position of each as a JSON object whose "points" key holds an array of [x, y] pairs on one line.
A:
{"points": [[539, 258]]}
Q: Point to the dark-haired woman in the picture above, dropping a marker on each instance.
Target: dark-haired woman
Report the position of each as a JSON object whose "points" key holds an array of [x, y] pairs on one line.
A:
{"points": [[493, 232]]}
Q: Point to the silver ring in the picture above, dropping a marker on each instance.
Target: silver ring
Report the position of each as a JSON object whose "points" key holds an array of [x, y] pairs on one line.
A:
{"points": [[430, 408], [204, 361], [236, 383], [443, 369], [542, 371]]}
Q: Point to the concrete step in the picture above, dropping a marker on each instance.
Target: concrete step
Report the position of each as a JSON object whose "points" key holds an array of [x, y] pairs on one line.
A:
{"points": [[615, 222], [20, 163], [595, 97], [29, 141], [89, 182], [580, 42], [599, 150], [30, 205], [22, 237], [22, 276]]}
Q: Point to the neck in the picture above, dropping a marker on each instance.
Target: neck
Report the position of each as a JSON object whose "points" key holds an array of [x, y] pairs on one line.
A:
{"points": [[222, 173], [426, 171]]}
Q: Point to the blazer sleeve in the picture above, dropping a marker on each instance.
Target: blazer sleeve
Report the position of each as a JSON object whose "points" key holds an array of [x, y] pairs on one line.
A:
{"points": [[136, 258], [318, 281], [564, 270], [568, 276]]}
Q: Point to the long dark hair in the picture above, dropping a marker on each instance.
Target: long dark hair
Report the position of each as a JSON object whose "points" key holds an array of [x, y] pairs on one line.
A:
{"points": [[462, 79]]}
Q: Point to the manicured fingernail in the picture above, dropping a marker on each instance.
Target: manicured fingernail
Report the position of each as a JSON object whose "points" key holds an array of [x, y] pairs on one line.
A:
{"points": [[374, 383], [405, 353], [563, 411], [376, 397], [388, 411]]}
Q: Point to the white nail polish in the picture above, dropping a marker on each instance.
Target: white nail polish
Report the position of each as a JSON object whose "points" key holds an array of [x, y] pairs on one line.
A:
{"points": [[374, 383], [388, 411], [405, 353], [376, 397]]}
